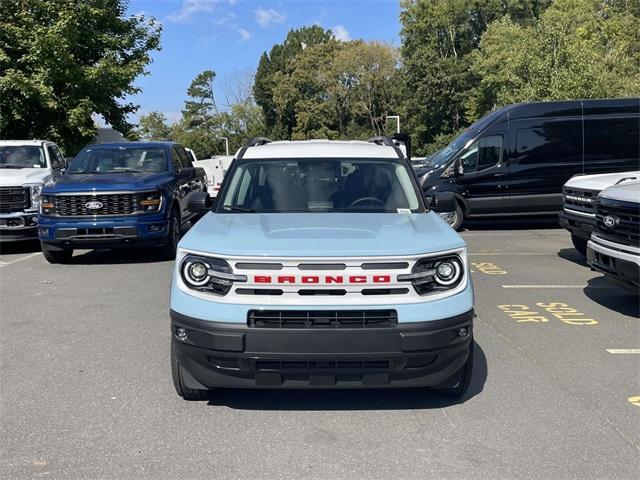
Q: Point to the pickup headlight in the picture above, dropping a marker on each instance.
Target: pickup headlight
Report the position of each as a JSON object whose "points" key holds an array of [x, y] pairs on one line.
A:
{"points": [[435, 274], [35, 189], [206, 274], [151, 202]]}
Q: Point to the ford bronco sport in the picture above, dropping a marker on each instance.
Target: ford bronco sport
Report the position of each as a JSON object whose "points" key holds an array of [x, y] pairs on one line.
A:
{"points": [[321, 266]]}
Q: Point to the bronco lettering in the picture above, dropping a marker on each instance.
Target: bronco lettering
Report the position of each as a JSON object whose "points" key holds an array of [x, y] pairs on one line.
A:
{"points": [[318, 280]]}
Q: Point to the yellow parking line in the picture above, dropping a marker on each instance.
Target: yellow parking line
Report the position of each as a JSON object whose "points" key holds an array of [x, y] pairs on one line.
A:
{"points": [[634, 400]]}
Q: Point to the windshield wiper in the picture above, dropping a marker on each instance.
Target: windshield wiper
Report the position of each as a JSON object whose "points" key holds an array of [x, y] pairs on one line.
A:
{"points": [[232, 208]]}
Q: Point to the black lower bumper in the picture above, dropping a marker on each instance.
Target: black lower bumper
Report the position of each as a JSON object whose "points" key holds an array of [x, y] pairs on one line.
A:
{"points": [[580, 227], [237, 356], [623, 272], [98, 242], [18, 234]]}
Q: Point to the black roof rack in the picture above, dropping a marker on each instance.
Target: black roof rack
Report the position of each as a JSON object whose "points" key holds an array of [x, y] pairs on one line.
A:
{"points": [[388, 142]]}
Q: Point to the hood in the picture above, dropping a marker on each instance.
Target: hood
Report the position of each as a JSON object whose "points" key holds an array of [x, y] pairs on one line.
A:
{"points": [[11, 177], [321, 234], [107, 182], [627, 192], [600, 181]]}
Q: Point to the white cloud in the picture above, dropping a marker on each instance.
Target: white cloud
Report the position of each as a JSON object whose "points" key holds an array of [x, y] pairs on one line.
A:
{"points": [[189, 8], [341, 33], [244, 34], [266, 17]]}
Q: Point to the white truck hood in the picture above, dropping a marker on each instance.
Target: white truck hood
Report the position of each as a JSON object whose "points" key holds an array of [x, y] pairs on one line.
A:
{"points": [[600, 181], [627, 192], [13, 177]]}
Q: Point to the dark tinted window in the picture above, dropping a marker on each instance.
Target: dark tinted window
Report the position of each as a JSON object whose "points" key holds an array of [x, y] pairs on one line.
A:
{"points": [[175, 159], [184, 158], [612, 139], [483, 153], [550, 142]]}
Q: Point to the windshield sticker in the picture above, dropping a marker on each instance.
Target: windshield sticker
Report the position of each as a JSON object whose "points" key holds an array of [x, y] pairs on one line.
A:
{"points": [[404, 210], [36, 166]]}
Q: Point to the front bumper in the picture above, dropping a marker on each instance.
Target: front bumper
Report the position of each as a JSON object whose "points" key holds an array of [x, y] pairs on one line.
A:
{"points": [[112, 232], [579, 225], [220, 354], [18, 226], [620, 263]]}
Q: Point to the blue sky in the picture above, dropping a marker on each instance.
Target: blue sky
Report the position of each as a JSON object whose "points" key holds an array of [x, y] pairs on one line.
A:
{"points": [[228, 36]]}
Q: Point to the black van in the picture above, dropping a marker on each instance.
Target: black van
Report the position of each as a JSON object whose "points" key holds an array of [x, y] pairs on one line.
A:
{"points": [[515, 160]]}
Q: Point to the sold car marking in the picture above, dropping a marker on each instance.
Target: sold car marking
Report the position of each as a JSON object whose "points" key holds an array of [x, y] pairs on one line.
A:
{"points": [[522, 314], [489, 268], [635, 400], [567, 314]]}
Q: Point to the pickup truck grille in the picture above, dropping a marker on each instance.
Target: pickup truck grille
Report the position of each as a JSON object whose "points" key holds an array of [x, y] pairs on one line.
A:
{"points": [[579, 199], [626, 229], [112, 204], [322, 318], [14, 199]]}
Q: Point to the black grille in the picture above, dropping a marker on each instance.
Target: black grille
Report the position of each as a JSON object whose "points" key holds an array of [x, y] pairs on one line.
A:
{"points": [[322, 318], [626, 229], [112, 204], [579, 199], [14, 199]]}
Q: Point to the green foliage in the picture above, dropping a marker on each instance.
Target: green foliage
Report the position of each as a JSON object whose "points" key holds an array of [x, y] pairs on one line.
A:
{"points": [[153, 126], [201, 109], [578, 49], [61, 61]]}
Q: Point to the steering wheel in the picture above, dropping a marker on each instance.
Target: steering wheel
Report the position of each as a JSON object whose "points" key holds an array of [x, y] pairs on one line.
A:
{"points": [[367, 199]]}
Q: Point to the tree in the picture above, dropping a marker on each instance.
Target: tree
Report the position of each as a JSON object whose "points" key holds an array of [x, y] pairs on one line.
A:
{"points": [[578, 49], [200, 111], [153, 126], [62, 61]]}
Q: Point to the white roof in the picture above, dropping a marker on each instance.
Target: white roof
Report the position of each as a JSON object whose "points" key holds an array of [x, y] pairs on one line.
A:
{"points": [[23, 142], [626, 192], [321, 149]]}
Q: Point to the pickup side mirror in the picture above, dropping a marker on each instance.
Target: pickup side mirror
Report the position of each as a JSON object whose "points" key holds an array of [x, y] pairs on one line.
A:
{"points": [[200, 202], [443, 202], [186, 171]]}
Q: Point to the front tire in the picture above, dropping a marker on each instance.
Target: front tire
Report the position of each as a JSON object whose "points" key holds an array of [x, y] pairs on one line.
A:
{"points": [[173, 236], [178, 382], [56, 255], [580, 245], [454, 219], [461, 380]]}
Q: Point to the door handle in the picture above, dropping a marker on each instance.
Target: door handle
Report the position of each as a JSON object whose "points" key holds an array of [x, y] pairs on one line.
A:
{"points": [[500, 174]]}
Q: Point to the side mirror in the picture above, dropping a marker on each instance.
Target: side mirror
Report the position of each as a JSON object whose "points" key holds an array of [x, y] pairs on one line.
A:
{"points": [[459, 169], [443, 202], [186, 171], [199, 202]]}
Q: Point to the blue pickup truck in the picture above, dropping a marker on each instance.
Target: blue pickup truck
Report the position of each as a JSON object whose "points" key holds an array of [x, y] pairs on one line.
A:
{"points": [[117, 195], [321, 265]]}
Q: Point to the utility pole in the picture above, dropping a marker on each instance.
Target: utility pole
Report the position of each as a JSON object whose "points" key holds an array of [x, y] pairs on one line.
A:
{"points": [[226, 143], [397, 119]]}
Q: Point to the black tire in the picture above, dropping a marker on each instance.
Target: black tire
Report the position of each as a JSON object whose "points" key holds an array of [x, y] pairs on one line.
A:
{"points": [[182, 390], [461, 379], [168, 250], [456, 218], [580, 245], [56, 256]]}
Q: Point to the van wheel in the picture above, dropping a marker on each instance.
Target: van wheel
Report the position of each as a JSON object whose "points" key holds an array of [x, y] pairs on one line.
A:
{"points": [[168, 250], [580, 245], [182, 390], [455, 218], [57, 255], [458, 384]]}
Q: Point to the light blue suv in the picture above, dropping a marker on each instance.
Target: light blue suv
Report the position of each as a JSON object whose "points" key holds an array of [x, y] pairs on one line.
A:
{"points": [[321, 265]]}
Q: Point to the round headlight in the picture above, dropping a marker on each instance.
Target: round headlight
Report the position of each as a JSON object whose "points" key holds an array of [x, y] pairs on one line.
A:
{"points": [[196, 273], [448, 272]]}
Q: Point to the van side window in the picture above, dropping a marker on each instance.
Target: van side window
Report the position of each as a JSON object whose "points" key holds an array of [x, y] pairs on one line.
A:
{"points": [[483, 153], [612, 139], [551, 142]]}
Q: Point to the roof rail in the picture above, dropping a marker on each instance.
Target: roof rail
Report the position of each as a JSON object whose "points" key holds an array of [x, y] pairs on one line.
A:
{"points": [[387, 142], [256, 141]]}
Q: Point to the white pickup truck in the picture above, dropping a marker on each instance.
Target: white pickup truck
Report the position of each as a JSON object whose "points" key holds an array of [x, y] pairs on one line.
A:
{"points": [[25, 166], [215, 168]]}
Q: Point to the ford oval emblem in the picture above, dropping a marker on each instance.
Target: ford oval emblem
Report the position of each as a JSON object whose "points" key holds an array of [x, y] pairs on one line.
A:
{"points": [[610, 221], [94, 205]]}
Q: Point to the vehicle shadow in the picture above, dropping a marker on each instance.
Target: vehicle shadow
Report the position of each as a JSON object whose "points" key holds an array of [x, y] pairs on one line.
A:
{"points": [[609, 295], [26, 246], [512, 223], [116, 256], [354, 399], [572, 255]]}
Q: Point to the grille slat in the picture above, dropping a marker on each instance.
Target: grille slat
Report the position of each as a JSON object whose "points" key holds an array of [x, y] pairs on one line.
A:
{"points": [[14, 199], [322, 318], [112, 204], [627, 228]]}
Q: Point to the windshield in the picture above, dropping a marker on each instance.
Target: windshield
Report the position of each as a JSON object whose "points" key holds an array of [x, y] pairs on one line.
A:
{"points": [[119, 160], [22, 156], [320, 185], [441, 157]]}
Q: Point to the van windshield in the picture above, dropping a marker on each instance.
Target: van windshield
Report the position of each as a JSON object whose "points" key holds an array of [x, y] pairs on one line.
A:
{"points": [[320, 185], [441, 157]]}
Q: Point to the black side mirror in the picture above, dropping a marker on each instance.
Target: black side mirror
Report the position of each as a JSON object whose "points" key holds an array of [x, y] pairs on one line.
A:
{"points": [[200, 202], [186, 171], [442, 202]]}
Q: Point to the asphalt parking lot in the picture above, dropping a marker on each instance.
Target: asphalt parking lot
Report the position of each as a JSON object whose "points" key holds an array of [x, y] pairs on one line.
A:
{"points": [[87, 393]]}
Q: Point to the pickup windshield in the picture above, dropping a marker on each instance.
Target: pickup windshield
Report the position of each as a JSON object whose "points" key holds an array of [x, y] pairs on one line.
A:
{"points": [[22, 156], [320, 185], [119, 160]]}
